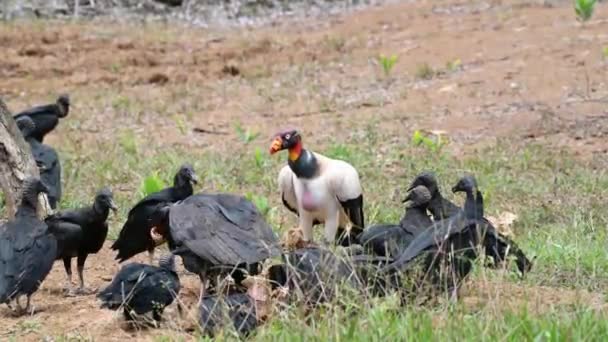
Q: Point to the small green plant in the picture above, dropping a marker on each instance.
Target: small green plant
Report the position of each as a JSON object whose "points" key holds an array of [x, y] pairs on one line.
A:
{"points": [[584, 9], [152, 184], [387, 63], [128, 142], [433, 142], [245, 136], [425, 72], [259, 157], [180, 123], [605, 52], [454, 65]]}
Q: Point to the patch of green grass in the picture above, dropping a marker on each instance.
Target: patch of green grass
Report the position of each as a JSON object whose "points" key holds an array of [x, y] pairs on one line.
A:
{"points": [[584, 9], [387, 63]]}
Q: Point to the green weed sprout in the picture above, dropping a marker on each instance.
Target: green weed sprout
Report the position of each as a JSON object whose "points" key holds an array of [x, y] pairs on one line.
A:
{"points": [[152, 184], [387, 63], [432, 144], [245, 136], [605, 52], [584, 9]]}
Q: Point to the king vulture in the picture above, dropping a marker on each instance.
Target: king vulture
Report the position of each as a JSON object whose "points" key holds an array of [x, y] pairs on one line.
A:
{"points": [[319, 189]]}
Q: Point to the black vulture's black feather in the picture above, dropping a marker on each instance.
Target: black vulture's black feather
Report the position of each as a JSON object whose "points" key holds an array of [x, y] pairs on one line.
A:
{"points": [[134, 237], [141, 288], [27, 248], [46, 117]]}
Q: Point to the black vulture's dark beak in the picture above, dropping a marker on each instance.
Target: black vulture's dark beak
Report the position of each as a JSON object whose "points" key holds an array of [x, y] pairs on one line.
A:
{"points": [[455, 188], [193, 178], [408, 197]]}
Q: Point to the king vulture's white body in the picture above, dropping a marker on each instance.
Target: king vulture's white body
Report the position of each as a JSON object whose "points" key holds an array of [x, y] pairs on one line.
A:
{"points": [[320, 199]]}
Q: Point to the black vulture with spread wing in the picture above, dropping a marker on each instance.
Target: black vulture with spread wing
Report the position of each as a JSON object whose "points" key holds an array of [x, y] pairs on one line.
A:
{"points": [[134, 237], [140, 289], [217, 234], [27, 249], [46, 117], [81, 232]]}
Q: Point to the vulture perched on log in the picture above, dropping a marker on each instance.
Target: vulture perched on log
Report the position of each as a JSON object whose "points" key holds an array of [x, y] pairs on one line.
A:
{"points": [[27, 249], [440, 207], [46, 158], [46, 117], [80, 232], [134, 237], [140, 289], [216, 234], [389, 239], [319, 190]]}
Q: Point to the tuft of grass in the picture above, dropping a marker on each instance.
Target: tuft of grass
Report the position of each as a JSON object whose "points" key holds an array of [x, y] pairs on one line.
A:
{"points": [[152, 184], [584, 9], [605, 52], [433, 143], [454, 65], [387, 63], [425, 72], [245, 135]]}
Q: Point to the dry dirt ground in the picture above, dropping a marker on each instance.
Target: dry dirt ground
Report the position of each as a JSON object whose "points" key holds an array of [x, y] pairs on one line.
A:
{"points": [[481, 71]]}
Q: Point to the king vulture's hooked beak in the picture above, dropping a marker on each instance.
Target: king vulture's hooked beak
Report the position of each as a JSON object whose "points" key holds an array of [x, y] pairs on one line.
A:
{"points": [[276, 145]]}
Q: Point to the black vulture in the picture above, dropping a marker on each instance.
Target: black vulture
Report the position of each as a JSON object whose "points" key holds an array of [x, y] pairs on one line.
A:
{"points": [[140, 289], [46, 158], [390, 239], [134, 237], [81, 232], [46, 117], [238, 308], [27, 249], [455, 241], [439, 232], [315, 275], [217, 234], [440, 207]]}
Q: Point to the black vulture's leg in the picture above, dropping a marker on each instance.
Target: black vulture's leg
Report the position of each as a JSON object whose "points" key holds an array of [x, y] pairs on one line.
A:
{"points": [[127, 313], [80, 264], [157, 315], [67, 263], [204, 285], [28, 304], [151, 255]]}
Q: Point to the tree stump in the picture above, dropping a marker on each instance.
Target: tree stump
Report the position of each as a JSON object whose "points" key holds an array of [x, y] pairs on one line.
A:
{"points": [[16, 162]]}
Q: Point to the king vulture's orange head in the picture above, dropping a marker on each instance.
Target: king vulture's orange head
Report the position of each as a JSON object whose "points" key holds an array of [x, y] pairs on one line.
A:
{"points": [[285, 140]]}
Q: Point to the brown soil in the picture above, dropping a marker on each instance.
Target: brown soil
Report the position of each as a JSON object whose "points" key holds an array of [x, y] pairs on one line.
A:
{"points": [[528, 72]]}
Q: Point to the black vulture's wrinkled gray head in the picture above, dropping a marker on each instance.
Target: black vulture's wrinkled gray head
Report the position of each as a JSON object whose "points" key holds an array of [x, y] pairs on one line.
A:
{"points": [[285, 140], [427, 179], [418, 196], [167, 262], [31, 188], [105, 199], [26, 125], [465, 184], [63, 102], [185, 175]]}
